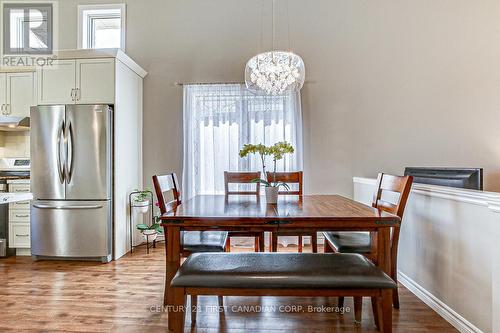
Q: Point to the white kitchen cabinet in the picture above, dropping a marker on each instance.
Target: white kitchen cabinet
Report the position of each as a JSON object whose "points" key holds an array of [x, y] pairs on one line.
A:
{"points": [[77, 81], [19, 188], [95, 81], [19, 218], [17, 93], [3, 92], [19, 235], [20, 94], [56, 83]]}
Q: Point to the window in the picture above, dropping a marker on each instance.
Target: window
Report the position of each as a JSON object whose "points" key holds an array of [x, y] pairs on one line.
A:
{"points": [[101, 26], [27, 28], [219, 119]]}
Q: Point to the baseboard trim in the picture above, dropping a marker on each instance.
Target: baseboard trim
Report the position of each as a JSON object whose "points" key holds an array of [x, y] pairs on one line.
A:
{"points": [[455, 319]]}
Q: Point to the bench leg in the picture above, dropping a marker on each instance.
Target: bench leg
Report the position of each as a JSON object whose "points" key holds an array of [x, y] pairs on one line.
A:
{"points": [[179, 301], [300, 244], [358, 309], [375, 311], [228, 245], [386, 316]]}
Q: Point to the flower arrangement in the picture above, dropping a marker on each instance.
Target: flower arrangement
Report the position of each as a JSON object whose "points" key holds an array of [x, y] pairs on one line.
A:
{"points": [[276, 151]]}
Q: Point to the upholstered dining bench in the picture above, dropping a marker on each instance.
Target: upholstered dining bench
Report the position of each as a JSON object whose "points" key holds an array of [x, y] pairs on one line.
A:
{"points": [[283, 274]]}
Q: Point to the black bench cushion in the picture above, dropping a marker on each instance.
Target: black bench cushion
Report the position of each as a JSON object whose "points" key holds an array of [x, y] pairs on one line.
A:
{"points": [[280, 271], [204, 241], [350, 242]]}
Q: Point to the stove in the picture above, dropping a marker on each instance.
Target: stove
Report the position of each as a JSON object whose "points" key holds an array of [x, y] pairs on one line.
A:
{"points": [[14, 168], [14, 164]]}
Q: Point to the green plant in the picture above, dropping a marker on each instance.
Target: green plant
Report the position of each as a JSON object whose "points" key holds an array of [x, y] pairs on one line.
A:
{"points": [[276, 151], [142, 195], [155, 226]]}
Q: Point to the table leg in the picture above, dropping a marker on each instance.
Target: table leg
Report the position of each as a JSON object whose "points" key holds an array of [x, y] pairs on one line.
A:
{"points": [[384, 250], [384, 262], [173, 256]]}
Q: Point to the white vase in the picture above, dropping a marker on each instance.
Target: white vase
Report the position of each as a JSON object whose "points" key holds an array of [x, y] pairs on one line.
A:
{"points": [[150, 233], [141, 206], [272, 194]]}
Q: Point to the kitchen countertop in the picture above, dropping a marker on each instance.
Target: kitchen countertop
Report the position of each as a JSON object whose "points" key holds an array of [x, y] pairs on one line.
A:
{"points": [[18, 180], [7, 197]]}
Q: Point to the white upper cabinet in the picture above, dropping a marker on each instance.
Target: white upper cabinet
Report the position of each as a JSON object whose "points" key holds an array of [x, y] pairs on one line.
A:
{"points": [[80, 81], [17, 93], [95, 81], [3, 92], [20, 94], [56, 83]]}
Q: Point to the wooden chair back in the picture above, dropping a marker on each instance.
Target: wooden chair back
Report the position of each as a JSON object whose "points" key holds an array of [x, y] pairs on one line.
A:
{"points": [[395, 184], [163, 185], [241, 178], [389, 184], [294, 177]]}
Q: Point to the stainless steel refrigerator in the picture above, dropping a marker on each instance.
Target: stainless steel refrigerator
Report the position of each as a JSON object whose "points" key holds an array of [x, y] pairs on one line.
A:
{"points": [[71, 181]]}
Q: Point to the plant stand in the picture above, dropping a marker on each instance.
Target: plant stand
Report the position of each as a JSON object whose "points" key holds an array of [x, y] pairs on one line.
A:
{"points": [[131, 207]]}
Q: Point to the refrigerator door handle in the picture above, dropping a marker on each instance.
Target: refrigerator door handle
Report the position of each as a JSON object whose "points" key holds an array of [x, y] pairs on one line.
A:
{"points": [[60, 162], [70, 150], [39, 206]]}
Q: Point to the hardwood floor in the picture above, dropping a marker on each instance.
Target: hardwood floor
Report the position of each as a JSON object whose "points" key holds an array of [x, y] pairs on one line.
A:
{"points": [[126, 296]]}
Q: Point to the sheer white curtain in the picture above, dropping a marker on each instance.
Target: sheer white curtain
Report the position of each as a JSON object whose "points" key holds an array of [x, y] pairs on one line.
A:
{"points": [[219, 119]]}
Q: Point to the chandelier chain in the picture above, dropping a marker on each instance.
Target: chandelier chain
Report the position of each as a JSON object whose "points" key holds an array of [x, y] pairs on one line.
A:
{"points": [[273, 23]]}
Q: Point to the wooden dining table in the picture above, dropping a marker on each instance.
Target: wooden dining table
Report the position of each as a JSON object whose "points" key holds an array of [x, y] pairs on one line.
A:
{"points": [[291, 213]]}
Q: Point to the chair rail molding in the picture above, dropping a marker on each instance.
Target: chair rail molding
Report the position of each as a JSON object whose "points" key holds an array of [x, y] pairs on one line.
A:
{"points": [[481, 198]]}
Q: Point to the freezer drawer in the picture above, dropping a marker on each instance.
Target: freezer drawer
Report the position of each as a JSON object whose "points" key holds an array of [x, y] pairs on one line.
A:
{"points": [[71, 229]]}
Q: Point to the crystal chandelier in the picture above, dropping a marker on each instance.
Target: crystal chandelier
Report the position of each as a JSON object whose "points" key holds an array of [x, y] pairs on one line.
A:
{"points": [[275, 73]]}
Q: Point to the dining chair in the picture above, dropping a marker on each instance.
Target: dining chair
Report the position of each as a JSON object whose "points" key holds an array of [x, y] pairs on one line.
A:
{"points": [[391, 195], [168, 195], [244, 178], [291, 178]]}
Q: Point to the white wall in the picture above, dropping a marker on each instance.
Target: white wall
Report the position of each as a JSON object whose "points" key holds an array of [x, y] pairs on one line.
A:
{"points": [[390, 83]]}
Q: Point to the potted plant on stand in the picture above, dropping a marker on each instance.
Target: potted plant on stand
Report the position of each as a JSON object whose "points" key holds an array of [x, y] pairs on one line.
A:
{"points": [[141, 200], [151, 232], [277, 152]]}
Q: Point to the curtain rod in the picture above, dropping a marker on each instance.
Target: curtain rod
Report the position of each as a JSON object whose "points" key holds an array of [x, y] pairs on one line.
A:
{"points": [[200, 83], [234, 82]]}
